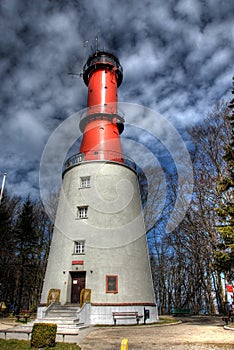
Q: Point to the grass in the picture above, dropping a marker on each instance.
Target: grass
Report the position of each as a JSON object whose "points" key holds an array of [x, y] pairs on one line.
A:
{"points": [[166, 320], [22, 321], [14, 344], [230, 325]]}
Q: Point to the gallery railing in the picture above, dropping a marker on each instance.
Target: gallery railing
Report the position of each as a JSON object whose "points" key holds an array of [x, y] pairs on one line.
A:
{"points": [[99, 155]]}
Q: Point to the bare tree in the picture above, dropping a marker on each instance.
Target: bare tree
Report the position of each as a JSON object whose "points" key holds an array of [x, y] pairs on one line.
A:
{"points": [[183, 261]]}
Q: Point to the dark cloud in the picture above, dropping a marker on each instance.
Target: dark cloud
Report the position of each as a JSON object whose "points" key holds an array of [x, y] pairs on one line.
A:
{"points": [[177, 57]]}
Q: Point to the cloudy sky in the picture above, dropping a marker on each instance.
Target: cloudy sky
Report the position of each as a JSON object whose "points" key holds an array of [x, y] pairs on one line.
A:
{"points": [[177, 57]]}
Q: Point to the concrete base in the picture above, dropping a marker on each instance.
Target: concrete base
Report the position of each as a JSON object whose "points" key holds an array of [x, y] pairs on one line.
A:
{"points": [[91, 314], [41, 310], [100, 314]]}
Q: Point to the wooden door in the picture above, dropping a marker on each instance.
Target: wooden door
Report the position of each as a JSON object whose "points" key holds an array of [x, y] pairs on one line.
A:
{"points": [[78, 283]]}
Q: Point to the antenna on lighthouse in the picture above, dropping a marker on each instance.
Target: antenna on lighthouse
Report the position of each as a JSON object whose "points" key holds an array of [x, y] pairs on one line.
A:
{"points": [[96, 41], [3, 185], [80, 74], [85, 44]]}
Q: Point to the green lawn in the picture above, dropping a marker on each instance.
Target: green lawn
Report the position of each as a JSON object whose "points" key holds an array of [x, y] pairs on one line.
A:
{"points": [[23, 345], [167, 319]]}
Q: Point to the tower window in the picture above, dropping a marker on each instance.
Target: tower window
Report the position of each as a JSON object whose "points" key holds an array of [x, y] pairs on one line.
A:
{"points": [[79, 247], [82, 212], [112, 284], [85, 181]]}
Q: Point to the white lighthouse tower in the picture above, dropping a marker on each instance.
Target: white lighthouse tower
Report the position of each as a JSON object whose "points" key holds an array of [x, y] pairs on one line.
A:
{"points": [[98, 262]]}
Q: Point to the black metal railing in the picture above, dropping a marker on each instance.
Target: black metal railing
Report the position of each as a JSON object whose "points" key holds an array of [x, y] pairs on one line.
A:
{"points": [[99, 113], [99, 155]]}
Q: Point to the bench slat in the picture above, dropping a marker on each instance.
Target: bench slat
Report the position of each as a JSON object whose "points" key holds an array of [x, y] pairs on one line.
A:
{"points": [[178, 311], [126, 314]]}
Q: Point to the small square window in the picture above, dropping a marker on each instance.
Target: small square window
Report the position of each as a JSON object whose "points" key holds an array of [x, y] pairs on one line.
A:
{"points": [[79, 247], [112, 284], [82, 212], [85, 182]]}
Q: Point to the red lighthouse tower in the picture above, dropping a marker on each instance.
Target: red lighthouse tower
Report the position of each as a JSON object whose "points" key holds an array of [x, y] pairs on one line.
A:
{"points": [[98, 264], [102, 124]]}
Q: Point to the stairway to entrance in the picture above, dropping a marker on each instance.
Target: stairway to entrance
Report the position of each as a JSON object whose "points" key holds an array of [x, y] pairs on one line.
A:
{"points": [[65, 316]]}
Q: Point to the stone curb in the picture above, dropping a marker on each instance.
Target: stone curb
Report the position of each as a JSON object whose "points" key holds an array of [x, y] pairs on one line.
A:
{"points": [[141, 325], [228, 328], [168, 324]]}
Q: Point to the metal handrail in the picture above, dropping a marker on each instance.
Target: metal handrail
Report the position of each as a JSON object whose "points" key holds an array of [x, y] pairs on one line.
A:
{"points": [[92, 113], [108, 156], [93, 110]]}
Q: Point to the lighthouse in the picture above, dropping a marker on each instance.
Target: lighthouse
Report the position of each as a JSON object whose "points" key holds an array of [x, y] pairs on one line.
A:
{"points": [[98, 262]]}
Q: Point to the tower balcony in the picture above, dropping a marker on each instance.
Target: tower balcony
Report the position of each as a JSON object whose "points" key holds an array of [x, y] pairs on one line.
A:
{"points": [[100, 156], [102, 60], [105, 112]]}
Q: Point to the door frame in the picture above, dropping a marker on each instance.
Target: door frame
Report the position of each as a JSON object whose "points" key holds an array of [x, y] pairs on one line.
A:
{"points": [[75, 275]]}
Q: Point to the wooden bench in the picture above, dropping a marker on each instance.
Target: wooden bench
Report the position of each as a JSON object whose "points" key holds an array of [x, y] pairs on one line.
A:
{"points": [[9, 330], [28, 332], [24, 314], [181, 312], [126, 315], [66, 333]]}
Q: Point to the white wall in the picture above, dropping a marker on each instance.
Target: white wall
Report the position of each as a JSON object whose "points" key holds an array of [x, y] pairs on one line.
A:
{"points": [[114, 235]]}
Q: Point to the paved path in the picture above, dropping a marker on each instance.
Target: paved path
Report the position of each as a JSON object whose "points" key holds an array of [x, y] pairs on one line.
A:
{"points": [[194, 333]]}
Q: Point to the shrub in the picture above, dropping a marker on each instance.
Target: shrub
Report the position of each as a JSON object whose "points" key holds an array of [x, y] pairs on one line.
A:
{"points": [[43, 335]]}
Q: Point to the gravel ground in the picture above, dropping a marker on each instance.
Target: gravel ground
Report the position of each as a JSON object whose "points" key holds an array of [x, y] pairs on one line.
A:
{"points": [[194, 333], [7, 323]]}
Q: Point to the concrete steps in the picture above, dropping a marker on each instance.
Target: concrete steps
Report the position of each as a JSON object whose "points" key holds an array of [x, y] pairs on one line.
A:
{"points": [[65, 316], [63, 322]]}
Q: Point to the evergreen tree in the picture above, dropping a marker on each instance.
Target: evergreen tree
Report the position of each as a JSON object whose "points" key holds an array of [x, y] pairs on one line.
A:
{"points": [[225, 251], [8, 214], [25, 237], [26, 243]]}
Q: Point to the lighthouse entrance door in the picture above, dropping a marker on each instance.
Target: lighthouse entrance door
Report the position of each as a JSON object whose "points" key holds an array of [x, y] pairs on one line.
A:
{"points": [[78, 283]]}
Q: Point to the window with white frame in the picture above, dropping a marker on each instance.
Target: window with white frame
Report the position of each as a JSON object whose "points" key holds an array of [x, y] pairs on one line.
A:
{"points": [[85, 181], [82, 212], [79, 247]]}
